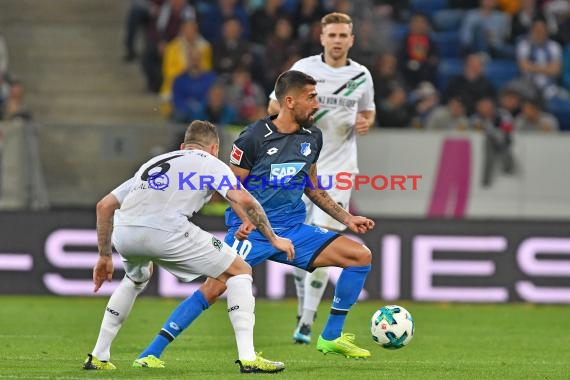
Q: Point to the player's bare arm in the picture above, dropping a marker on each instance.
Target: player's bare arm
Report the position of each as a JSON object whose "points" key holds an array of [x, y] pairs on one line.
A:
{"points": [[256, 215], [323, 200], [364, 121], [103, 269]]}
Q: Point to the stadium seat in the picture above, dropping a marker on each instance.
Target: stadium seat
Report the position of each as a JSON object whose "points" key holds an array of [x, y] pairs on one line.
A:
{"points": [[399, 31], [566, 67], [501, 71], [427, 7], [446, 20], [560, 108], [447, 43], [447, 69]]}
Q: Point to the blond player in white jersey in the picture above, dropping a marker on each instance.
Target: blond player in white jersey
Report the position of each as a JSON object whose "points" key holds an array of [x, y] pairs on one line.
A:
{"points": [[151, 225], [346, 98]]}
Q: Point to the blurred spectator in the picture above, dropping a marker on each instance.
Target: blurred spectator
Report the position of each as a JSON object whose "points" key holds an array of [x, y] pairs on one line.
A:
{"points": [[245, 96], [4, 93], [138, 18], [15, 107], [308, 11], [233, 50], [163, 27], [472, 84], [216, 109], [563, 32], [497, 126], [3, 56], [262, 20], [533, 118], [396, 10], [510, 101], [176, 55], [424, 100], [540, 60], [311, 43], [486, 30], [190, 89], [450, 116], [418, 56], [366, 47], [522, 20], [509, 6], [390, 94], [212, 19], [279, 47], [450, 18]]}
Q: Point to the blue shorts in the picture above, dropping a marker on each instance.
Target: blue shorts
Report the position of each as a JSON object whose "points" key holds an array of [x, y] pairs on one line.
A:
{"points": [[309, 242]]}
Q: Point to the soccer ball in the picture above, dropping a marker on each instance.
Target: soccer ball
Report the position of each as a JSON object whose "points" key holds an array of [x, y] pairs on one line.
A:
{"points": [[392, 327]]}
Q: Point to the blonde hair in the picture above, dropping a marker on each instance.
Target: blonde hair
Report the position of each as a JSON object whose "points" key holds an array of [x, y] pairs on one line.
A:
{"points": [[336, 18], [202, 133]]}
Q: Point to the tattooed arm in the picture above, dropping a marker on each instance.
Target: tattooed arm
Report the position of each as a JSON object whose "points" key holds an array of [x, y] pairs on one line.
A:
{"points": [[252, 214], [103, 269], [323, 200]]}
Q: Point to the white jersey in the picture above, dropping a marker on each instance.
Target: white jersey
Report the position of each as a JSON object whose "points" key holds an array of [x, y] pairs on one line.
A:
{"points": [[170, 188], [342, 92]]}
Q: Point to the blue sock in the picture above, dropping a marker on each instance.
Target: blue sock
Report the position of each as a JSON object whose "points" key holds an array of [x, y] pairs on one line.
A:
{"points": [[186, 312], [348, 287]]}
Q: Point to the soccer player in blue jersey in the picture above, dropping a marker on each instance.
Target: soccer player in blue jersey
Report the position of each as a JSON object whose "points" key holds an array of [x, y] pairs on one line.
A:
{"points": [[276, 159]]}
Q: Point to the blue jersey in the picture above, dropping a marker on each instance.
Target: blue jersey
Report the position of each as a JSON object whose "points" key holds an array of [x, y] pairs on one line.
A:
{"points": [[279, 166]]}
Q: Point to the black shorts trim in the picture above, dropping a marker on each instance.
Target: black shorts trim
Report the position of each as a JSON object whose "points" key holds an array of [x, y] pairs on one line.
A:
{"points": [[310, 267]]}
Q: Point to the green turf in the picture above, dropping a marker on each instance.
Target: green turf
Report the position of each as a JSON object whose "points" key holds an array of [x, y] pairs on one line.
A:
{"points": [[48, 337]]}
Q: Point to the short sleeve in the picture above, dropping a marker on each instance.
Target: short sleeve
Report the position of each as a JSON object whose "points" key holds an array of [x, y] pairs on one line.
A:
{"points": [[366, 102], [122, 190], [244, 150], [223, 178], [319, 141]]}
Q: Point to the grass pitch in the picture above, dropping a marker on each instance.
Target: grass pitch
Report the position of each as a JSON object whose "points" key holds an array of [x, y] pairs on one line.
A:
{"points": [[49, 337]]}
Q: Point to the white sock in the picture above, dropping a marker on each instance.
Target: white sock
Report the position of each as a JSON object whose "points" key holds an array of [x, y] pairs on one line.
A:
{"points": [[117, 310], [241, 305], [315, 285], [299, 276]]}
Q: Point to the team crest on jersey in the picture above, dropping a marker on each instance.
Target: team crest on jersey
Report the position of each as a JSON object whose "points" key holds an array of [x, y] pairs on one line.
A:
{"points": [[217, 243], [305, 148], [237, 154], [351, 84], [288, 170]]}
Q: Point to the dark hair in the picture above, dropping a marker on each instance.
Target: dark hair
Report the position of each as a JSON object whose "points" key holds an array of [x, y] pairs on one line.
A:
{"points": [[291, 80], [202, 133]]}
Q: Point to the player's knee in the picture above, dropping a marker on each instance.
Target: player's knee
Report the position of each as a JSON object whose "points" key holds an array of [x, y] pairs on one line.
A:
{"points": [[243, 268], [365, 256]]}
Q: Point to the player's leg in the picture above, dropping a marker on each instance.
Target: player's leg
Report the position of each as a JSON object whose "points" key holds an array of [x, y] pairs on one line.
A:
{"points": [[314, 287], [299, 275], [315, 282], [116, 312], [355, 260], [178, 321]]}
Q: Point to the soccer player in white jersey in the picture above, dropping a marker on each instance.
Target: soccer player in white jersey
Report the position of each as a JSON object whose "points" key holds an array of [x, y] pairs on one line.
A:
{"points": [[346, 98], [151, 225]]}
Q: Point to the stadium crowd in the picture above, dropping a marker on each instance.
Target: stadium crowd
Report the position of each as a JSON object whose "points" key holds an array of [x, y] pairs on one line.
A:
{"points": [[12, 105], [493, 65]]}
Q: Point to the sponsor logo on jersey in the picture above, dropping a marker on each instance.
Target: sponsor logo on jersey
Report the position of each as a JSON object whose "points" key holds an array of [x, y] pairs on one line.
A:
{"points": [[272, 151], [305, 149], [236, 155], [217, 243], [286, 171]]}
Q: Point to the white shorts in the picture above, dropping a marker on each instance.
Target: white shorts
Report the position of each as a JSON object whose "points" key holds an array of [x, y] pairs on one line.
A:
{"points": [[186, 254], [318, 217]]}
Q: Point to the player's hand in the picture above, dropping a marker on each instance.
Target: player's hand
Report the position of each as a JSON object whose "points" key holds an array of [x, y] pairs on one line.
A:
{"points": [[244, 230], [362, 125], [360, 224], [286, 246], [103, 270]]}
